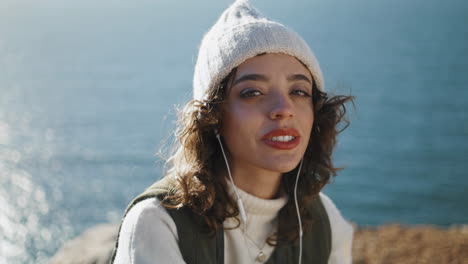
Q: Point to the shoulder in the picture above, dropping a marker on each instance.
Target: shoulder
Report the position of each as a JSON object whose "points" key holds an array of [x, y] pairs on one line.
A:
{"points": [[342, 232], [147, 213], [143, 229], [337, 222]]}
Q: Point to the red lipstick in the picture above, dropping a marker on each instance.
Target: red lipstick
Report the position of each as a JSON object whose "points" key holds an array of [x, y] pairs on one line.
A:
{"points": [[282, 138]]}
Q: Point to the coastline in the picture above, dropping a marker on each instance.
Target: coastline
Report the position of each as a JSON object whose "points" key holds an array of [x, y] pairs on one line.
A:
{"points": [[390, 243]]}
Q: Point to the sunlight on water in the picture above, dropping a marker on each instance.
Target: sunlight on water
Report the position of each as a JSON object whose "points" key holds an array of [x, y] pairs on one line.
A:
{"points": [[24, 204], [4, 133], [20, 213], [35, 206]]}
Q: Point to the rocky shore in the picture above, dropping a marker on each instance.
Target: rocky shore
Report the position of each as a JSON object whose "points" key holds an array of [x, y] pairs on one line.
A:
{"points": [[386, 244]]}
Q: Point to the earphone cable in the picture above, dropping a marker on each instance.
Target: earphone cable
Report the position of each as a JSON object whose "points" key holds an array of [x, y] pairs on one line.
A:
{"points": [[239, 201], [298, 212]]}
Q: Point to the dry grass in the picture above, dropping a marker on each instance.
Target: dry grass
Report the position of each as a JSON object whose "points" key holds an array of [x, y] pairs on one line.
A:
{"points": [[404, 245]]}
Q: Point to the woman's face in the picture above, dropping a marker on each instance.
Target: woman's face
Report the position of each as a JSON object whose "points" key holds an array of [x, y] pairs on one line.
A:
{"points": [[268, 114]]}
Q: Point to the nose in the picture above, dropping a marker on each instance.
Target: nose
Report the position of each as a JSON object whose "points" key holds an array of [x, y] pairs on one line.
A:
{"points": [[282, 108]]}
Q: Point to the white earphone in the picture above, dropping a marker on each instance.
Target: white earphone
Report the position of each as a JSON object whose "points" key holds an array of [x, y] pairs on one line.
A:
{"points": [[240, 204]]}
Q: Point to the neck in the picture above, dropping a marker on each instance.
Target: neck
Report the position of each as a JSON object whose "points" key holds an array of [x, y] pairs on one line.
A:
{"points": [[257, 182]]}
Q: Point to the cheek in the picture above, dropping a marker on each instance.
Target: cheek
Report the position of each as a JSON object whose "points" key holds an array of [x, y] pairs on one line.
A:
{"points": [[307, 119], [236, 114], [311, 118], [240, 125]]}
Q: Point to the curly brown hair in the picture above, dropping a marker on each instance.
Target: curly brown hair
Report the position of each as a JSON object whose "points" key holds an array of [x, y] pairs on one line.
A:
{"points": [[198, 165]]}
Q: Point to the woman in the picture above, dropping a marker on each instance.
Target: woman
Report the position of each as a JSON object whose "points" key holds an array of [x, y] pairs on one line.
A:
{"points": [[255, 150]]}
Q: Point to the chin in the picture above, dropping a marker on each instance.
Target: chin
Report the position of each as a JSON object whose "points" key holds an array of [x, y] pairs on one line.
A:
{"points": [[284, 167]]}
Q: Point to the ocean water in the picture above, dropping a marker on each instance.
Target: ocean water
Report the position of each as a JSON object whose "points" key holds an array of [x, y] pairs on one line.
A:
{"points": [[88, 91]]}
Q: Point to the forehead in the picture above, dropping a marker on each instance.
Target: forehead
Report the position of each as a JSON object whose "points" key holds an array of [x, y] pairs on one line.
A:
{"points": [[273, 63]]}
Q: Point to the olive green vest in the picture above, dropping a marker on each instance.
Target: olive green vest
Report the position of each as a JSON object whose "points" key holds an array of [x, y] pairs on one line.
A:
{"points": [[198, 247]]}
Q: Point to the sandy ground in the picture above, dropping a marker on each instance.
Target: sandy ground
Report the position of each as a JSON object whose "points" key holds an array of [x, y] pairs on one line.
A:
{"points": [[387, 244]]}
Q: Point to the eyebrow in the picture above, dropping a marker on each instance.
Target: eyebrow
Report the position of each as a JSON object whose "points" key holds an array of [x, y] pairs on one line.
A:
{"points": [[250, 77], [298, 77], [260, 77]]}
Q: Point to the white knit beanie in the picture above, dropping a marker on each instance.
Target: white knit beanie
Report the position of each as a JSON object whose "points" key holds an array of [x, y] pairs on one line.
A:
{"points": [[242, 33]]}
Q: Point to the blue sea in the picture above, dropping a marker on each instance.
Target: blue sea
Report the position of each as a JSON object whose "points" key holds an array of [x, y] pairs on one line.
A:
{"points": [[89, 92]]}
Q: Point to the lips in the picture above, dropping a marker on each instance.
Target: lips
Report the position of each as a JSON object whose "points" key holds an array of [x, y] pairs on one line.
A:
{"points": [[282, 138]]}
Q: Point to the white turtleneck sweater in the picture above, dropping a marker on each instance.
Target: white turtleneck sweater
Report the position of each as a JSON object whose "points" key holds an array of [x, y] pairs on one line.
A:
{"points": [[149, 235]]}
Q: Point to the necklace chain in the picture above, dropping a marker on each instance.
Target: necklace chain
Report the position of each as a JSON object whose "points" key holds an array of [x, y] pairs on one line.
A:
{"points": [[255, 243], [261, 256]]}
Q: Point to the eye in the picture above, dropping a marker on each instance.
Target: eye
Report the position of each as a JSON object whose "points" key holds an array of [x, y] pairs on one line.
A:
{"points": [[249, 92], [301, 92]]}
